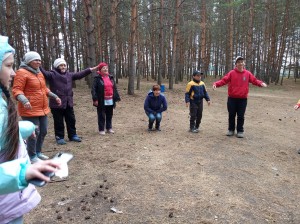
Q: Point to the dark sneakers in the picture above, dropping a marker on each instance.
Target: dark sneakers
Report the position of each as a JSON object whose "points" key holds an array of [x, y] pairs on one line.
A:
{"points": [[194, 130], [230, 133], [75, 138], [299, 151], [240, 135], [60, 141]]}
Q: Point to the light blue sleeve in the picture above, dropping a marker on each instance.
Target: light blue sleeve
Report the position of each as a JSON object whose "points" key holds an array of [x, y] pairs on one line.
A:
{"points": [[12, 175], [26, 128]]}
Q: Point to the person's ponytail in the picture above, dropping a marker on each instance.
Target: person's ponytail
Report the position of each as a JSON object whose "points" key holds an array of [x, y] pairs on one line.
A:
{"points": [[11, 133]]}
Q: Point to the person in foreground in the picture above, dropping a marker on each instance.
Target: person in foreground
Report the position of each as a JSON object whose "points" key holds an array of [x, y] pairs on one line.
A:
{"points": [[61, 84], [194, 94], [104, 95], [296, 107], [238, 81], [155, 103], [17, 196], [30, 90]]}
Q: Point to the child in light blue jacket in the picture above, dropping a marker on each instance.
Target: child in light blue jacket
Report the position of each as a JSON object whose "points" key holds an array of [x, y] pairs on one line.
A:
{"points": [[17, 196]]}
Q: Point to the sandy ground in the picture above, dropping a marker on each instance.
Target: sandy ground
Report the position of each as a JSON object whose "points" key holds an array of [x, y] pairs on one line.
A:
{"points": [[175, 176]]}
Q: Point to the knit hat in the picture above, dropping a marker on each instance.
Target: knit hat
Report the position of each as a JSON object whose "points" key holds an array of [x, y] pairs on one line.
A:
{"points": [[58, 62], [101, 65], [31, 56], [197, 72], [238, 58], [5, 49]]}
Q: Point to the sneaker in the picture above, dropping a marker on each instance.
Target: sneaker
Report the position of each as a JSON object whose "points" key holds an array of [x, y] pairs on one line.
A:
{"points": [[150, 129], [194, 130], [75, 138], [158, 129], [299, 151], [35, 160], [230, 133], [111, 131], [60, 141], [42, 156], [102, 132], [240, 135]]}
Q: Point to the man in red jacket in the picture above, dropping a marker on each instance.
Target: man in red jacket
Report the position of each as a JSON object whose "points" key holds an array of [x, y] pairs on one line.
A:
{"points": [[238, 81]]}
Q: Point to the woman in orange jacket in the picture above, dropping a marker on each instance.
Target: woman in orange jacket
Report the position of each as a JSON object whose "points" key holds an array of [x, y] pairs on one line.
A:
{"points": [[32, 94]]}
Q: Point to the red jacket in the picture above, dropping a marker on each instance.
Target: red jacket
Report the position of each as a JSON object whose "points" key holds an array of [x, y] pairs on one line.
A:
{"points": [[238, 83]]}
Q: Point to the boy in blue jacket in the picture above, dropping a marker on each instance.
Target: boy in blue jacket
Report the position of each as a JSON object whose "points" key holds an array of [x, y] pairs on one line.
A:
{"points": [[155, 104], [194, 94]]}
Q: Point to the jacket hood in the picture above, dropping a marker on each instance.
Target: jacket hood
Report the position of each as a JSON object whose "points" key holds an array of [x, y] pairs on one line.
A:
{"points": [[236, 69], [28, 68]]}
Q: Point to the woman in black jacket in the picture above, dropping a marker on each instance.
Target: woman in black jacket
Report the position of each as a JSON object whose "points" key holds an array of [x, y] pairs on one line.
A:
{"points": [[105, 95]]}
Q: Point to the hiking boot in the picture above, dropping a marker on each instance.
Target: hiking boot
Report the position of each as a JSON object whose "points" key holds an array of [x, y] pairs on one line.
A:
{"points": [[35, 160], [240, 135], [75, 138], [60, 141], [102, 132], [230, 133], [42, 156], [111, 131]]}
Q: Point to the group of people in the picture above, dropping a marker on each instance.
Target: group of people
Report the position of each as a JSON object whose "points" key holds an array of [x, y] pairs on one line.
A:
{"points": [[238, 81], [19, 163]]}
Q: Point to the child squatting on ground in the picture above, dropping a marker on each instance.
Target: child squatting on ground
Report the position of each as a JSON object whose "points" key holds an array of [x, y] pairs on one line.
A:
{"points": [[155, 103], [194, 94]]}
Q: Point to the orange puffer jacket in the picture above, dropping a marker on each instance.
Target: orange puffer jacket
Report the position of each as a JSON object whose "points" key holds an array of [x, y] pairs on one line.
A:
{"points": [[33, 86]]}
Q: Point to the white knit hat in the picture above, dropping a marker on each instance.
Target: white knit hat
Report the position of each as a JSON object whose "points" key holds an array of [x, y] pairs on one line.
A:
{"points": [[31, 56], [58, 62]]}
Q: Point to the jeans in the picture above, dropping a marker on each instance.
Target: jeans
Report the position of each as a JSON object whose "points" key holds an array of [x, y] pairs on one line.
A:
{"points": [[105, 115], [196, 110], [61, 115], [236, 107], [154, 117], [35, 144]]}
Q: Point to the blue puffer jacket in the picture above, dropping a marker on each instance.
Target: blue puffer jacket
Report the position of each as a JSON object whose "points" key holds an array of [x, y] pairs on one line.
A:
{"points": [[155, 104]]}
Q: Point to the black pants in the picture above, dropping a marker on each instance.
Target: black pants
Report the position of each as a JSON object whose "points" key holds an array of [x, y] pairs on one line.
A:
{"points": [[59, 115], [105, 115], [196, 109], [236, 106]]}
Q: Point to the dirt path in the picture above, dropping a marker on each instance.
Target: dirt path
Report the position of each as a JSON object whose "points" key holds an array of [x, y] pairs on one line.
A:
{"points": [[174, 176]]}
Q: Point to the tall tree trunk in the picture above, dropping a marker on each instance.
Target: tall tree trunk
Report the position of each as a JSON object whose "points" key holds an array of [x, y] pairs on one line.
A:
{"points": [[91, 36], [229, 44], [282, 44], [161, 43], [71, 38], [132, 45], [64, 32], [113, 48], [99, 29], [249, 51], [174, 50], [203, 23]]}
